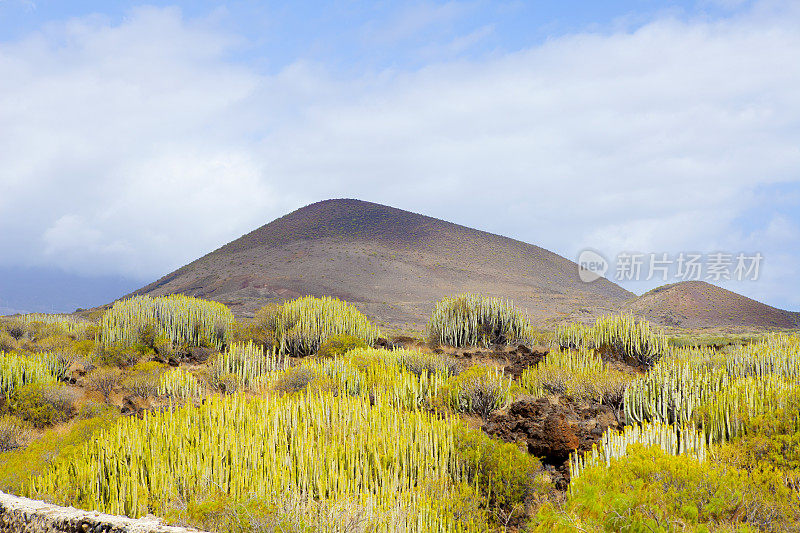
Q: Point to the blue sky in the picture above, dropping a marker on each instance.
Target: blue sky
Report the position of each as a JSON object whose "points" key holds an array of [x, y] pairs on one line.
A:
{"points": [[137, 137], [352, 36]]}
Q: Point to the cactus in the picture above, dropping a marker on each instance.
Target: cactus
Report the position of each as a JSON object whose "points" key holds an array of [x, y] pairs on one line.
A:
{"points": [[614, 444], [302, 325], [621, 335], [181, 319], [473, 320], [17, 370], [315, 447]]}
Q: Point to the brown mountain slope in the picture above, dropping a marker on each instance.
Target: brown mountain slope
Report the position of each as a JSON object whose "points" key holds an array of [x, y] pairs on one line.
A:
{"points": [[697, 304], [391, 263]]}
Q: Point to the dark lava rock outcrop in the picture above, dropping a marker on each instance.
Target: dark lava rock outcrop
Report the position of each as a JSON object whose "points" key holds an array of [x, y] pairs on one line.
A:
{"points": [[552, 428]]}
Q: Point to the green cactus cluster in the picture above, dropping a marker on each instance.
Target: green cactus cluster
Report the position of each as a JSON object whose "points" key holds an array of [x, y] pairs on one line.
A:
{"points": [[17, 370], [183, 320], [617, 335], [614, 444], [179, 384], [716, 392], [248, 362], [300, 326], [578, 374], [317, 447], [474, 320]]}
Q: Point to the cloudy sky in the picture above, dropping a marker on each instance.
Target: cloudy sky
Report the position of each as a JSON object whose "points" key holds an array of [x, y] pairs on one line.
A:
{"points": [[135, 138]]}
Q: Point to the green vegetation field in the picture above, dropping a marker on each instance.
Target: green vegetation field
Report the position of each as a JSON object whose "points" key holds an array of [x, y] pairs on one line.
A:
{"points": [[307, 419]]}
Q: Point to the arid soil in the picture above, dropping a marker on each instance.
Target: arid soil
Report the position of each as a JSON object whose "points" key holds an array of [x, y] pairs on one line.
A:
{"points": [[390, 263], [697, 304]]}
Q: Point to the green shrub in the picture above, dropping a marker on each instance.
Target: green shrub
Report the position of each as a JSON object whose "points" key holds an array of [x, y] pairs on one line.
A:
{"points": [[117, 355], [55, 343], [215, 511], [7, 342], [299, 327], [294, 380], [104, 380], [14, 433], [13, 327], [478, 390], [84, 348], [339, 345], [43, 405], [18, 466], [472, 320], [144, 378], [505, 476], [418, 362], [649, 490], [259, 331]]}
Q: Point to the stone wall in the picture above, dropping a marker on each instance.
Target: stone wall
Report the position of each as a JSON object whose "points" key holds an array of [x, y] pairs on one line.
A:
{"points": [[22, 515]]}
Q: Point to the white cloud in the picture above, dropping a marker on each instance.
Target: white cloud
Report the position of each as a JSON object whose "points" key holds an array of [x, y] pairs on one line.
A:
{"points": [[136, 147]]}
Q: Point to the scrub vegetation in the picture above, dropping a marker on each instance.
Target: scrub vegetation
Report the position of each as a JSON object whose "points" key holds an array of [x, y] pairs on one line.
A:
{"points": [[306, 419]]}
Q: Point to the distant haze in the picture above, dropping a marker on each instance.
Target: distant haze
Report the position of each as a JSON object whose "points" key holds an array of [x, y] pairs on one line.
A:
{"points": [[49, 290]]}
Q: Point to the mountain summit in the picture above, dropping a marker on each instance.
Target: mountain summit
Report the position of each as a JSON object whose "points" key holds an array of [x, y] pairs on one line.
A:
{"points": [[391, 263], [697, 304]]}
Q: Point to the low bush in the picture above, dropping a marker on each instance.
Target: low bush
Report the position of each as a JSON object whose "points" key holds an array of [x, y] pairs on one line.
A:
{"points": [[215, 511], [479, 390], [418, 362], [506, 477], [84, 348], [43, 405], [56, 343], [339, 345], [117, 355], [649, 490], [259, 330], [144, 378], [104, 380], [294, 380], [13, 327], [7, 342], [18, 466], [14, 433]]}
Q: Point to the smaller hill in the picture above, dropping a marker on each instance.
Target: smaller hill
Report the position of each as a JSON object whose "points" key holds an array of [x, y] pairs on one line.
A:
{"points": [[697, 304]]}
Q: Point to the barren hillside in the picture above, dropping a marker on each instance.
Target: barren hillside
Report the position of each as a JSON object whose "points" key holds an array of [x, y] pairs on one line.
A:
{"points": [[697, 304], [393, 264]]}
